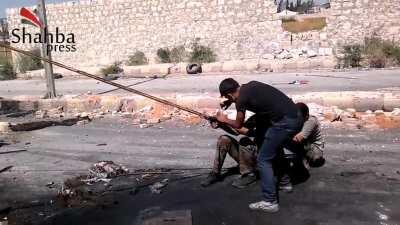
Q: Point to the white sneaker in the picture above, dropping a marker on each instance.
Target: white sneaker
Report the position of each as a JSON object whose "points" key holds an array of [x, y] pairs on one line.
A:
{"points": [[270, 207]]}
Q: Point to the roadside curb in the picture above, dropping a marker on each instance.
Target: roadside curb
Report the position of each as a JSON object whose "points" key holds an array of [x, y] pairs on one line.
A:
{"points": [[268, 65], [360, 101]]}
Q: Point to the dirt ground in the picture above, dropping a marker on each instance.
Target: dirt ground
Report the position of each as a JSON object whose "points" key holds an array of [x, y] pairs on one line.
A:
{"points": [[359, 184]]}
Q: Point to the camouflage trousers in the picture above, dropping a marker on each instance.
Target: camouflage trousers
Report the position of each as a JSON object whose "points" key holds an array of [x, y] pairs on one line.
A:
{"points": [[244, 152]]}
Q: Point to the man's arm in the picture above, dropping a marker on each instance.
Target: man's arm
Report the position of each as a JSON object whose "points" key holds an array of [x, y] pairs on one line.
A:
{"points": [[237, 124], [243, 131], [307, 129]]}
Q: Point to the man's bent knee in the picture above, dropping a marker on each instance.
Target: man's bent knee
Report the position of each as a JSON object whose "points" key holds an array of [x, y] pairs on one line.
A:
{"points": [[223, 142]]}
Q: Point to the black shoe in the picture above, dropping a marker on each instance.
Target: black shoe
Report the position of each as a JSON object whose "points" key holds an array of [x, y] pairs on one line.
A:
{"points": [[244, 180], [211, 179]]}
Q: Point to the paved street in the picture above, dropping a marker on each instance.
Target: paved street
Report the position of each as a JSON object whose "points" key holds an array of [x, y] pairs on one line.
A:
{"points": [[318, 81], [359, 184]]}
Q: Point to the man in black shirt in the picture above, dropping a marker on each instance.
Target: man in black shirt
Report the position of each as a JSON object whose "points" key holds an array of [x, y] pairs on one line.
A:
{"points": [[270, 103]]}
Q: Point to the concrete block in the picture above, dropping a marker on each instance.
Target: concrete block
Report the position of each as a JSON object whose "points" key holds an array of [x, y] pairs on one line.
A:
{"points": [[251, 64], [391, 101], [212, 67], [340, 100], [371, 102], [4, 127], [265, 64], [237, 65]]}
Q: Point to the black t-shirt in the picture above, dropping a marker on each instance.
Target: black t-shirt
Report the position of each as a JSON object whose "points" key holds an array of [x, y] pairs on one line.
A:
{"points": [[265, 100]]}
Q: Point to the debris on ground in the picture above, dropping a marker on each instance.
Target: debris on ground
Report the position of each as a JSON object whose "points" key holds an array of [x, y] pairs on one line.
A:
{"points": [[5, 169], [295, 82], [153, 114], [51, 185], [157, 187], [14, 151], [104, 171], [155, 216], [4, 221]]}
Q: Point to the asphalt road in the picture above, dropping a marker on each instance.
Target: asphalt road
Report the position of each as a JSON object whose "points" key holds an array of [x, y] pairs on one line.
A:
{"points": [[318, 81], [359, 184]]}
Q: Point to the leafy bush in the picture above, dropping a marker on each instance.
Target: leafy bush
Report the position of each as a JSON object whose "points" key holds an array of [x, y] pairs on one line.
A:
{"points": [[139, 58], [377, 53], [164, 55], [178, 54], [393, 52], [26, 63], [6, 69], [202, 54], [352, 55], [114, 68]]}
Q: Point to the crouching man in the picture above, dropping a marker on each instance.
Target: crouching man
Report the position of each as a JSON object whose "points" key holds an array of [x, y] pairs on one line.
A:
{"points": [[310, 139], [243, 150]]}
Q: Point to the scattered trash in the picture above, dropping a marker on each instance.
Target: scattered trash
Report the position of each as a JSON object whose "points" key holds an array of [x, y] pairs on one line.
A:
{"points": [[51, 185], [14, 151], [102, 144], [155, 216], [144, 125], [157, 187], [4, 221], [295, 82], [57, 76], [6, 169], [299, 82], [104, 171], [396, 140]]}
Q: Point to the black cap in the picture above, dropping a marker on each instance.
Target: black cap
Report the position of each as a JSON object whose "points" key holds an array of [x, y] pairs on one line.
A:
{"points": [[228, 86]]}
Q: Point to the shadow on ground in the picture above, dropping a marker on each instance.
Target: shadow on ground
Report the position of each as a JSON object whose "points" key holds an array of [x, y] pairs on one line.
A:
{"points": [[331, 196]]}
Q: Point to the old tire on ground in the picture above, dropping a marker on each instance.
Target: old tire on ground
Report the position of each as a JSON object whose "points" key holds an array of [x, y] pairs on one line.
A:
{"points": [[194, 68]]}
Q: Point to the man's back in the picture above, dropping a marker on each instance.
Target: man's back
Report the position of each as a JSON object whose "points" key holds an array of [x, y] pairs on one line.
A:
{"points": [[264, 99]]}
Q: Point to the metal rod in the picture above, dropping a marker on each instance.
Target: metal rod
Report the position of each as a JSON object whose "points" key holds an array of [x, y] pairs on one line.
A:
{"points": [[157, 99]]}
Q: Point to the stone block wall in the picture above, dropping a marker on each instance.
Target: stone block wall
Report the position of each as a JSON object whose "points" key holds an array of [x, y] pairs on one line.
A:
{"points": [[111, 30]]}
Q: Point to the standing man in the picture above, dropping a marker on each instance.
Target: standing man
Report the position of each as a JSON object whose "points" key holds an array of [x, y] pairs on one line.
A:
{"points": [[268, 102]]}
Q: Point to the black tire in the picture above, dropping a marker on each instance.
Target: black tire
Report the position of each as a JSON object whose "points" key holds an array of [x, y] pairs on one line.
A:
{"points": [[194, 68]]}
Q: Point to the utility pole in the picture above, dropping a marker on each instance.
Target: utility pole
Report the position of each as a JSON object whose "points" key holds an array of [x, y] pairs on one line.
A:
{"points": [[48, 68]]}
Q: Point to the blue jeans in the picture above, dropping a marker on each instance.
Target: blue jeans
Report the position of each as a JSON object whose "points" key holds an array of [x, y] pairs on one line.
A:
{"points": [[275, 138]]}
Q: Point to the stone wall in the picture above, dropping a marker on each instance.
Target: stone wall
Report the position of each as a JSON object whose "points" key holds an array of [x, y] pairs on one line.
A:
{"points": [[111, 30]]}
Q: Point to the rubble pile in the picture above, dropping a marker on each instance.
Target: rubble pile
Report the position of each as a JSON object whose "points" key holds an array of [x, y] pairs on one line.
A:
{"points": [[82, 188], [295, 53], [151, 115], [104, 171], [51, 113], [351, 119]]}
